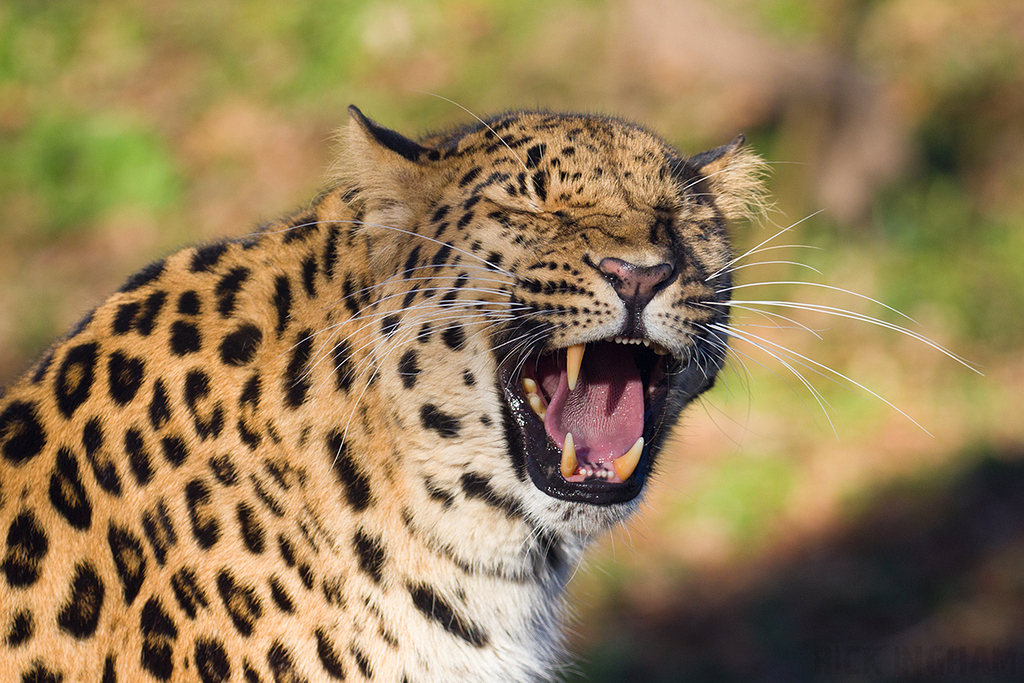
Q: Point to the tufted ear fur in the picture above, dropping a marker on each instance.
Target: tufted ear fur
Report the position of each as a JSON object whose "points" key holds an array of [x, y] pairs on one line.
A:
{"points": [[736, 176]]}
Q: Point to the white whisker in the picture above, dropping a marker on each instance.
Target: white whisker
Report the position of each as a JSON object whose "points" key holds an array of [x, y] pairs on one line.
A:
{"points": [[411, 233], [820, 286], [484, 123], [853, 315], [761, 340], [771, 316], [755, 249], [766, 263], [759, 343]]}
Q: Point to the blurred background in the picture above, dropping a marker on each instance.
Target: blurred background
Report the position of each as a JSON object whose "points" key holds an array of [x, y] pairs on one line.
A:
{"points": [[790, 535]]}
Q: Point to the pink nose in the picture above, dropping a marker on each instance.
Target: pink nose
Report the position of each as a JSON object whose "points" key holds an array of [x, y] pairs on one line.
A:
{"points": [[635, 284]]}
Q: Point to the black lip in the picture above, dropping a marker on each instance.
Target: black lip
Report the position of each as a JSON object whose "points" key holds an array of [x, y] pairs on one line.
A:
{"points": [[540, 457]]}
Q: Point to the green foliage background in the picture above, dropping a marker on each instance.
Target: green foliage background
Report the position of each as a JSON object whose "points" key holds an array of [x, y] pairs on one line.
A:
{"points": [[128, 128]]}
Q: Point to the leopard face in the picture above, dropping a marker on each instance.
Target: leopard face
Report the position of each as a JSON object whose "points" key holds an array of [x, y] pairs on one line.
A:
{"points": [[377, 436], [588, 260]]}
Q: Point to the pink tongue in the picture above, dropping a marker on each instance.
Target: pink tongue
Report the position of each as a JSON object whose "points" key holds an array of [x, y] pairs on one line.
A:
{"points": [[606, 411]]}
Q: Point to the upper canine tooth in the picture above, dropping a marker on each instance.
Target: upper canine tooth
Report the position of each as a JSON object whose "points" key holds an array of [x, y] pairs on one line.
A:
{"points": [[624, 465], [573, 360], [568, 464]]}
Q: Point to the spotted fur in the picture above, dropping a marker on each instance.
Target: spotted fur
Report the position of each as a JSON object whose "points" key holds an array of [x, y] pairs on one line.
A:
{"points": [[287, 457]]}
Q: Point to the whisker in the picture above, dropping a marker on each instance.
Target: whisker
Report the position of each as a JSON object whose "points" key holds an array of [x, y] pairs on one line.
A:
{"points": [[422, 290], [754, 250], [738, 354], [778, 247], [395, 344], [715, 340], [767, 263], [431, 315], [759, 344], [820, 286], [748, 337], [369, 318], [770, 315], [853, 315], [435, 314], [523, 349], [484, 123], [398, 278], [333, 343], [411, 233]]}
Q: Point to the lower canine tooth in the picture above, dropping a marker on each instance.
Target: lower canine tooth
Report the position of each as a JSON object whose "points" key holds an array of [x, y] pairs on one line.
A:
{"points": [[529, 385], [568, 464], [624, 465]]}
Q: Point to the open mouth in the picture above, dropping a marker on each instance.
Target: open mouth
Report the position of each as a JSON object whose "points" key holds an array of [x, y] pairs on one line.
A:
{"points": [[590, 416]]}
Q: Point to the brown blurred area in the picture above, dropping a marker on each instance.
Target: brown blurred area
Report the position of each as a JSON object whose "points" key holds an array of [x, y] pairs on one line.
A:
{"points": [[785, 531]]}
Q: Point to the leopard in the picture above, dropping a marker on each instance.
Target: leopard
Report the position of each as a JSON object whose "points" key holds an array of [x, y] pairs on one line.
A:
{"points": [[373, 439]]}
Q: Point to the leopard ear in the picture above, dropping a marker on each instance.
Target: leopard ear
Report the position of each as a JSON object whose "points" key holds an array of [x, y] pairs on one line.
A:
{"points": [[394, 178], [370, 137], [736, 177], [704, 159], [382, 163]]}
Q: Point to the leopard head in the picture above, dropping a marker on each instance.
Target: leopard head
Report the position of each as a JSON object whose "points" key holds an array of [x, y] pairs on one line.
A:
{"points": [[585, 263]]}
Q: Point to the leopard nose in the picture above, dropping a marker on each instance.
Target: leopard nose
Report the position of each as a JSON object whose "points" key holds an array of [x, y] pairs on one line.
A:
{"points": [[636, 285]]}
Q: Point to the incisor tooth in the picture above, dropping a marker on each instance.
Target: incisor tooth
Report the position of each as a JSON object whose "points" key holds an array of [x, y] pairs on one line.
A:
{"points": [[568, 465], [537, 405], [573, 360], [625, 464]]}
